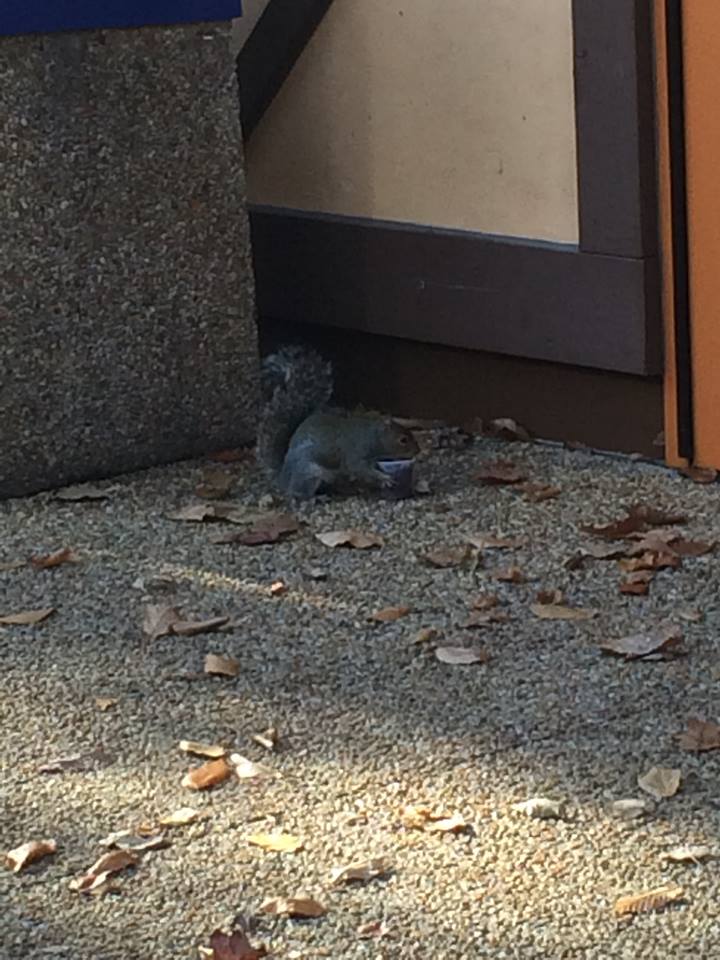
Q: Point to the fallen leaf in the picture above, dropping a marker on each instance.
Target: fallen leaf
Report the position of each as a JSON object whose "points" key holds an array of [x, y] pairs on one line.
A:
{"points": [[270, 528], [690, 615], [220, 510], [540, 808], [426, 635], [421, 817], [350, 538], [445, 557], [690, 548], [28, 853], [505, 428], [688, 854], [27, 618], [700, 474], [486, 601], [639, 518], [180, 817], [489, 541], [158, 620], [75, 761], [538, 492], [550, 596], [48, 560], [95, 880], [389, 614], [372, 930], [211, 750], [362, 871], [84, 491], [497, 472], [700, 735], [219, 665], [649, 560], [484, 618], [510, 575], [663, 641], [637, 584], [648, 901], [629, 809], [247, 770], [105, 703], [215, 484], [557, 611], [604, 551], [234, 946], [276, 842], [11, 565], [267, 739], [278, 588], [191, 628], [293, 907], [656, 516], [461, 656], [127, 840], [210, 774], [660, 782]]}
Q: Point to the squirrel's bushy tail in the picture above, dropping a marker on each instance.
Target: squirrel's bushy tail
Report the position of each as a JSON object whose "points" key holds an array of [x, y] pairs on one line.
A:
{"points": [[295, 382]]}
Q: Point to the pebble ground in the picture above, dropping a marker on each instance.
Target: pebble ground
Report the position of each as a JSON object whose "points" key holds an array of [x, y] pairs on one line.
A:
{"points": [[368, 722]]}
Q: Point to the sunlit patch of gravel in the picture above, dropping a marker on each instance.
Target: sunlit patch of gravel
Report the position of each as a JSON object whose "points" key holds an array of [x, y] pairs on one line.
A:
{"points": [[368, 722]]}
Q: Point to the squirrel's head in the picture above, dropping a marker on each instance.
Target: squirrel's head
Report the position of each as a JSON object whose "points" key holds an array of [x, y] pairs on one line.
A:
{"points": [[398, 442]]}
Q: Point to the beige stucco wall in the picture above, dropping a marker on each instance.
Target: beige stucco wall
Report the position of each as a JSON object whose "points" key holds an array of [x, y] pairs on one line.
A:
{"points": [[455, 114]]}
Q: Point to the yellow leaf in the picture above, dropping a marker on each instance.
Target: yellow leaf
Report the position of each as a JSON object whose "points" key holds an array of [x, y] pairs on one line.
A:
{"points": [[276, 842], [650, 900]]}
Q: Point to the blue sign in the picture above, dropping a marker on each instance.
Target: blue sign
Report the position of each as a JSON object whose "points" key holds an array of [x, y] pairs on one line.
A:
{"points": [[49, 16]]}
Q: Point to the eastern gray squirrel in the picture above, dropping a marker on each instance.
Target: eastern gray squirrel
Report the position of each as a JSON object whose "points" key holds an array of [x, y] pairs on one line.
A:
{"points": [[306, 446]]}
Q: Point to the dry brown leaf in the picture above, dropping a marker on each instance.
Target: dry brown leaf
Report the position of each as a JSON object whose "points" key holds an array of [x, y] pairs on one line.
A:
{"points": [[557, 611], [700, 735], [505, 428], [649, 560], [486, 601], [550, 596], [27, 618], [372, 930], [690, 548], [510, 575], [248, 770], [361, 871], [293, 907], [688, 854], [664, 641], [95, 880], [75, 761], [637, 584], [461, 656], [8, 565], [648, 901], [220, 665], [215, 484], [269, 528], [28, 853], [212, 750], [105, 703], [234, 946], [656, 516], [497, 472], [389, 614], [690, 615], [484, 618], [446, 557], [84, 491], [180, 817], [538, 492], [426, 635], [421, 817], [46, 561], [350, 538], [276, 842], [226, 510], [127, 840], [210, 774], [639, 518], [191, 628], [489, 541], [700, 474], [278, 588], [158, 620], [660, 782], [267, 739]]}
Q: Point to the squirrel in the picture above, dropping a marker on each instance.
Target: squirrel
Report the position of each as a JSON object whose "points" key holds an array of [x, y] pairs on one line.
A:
{"points": [[304, 445]]}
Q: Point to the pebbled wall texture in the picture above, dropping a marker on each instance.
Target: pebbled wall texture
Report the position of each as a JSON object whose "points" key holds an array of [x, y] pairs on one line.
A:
{"points": [[127, 328]]}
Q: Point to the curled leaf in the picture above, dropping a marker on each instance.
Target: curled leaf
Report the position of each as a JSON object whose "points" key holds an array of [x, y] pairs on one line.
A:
{"points": [[357, 539], [180, 817], [361, 871], [293, 907], [648, 901], [389, 614], [210, 774], [95, 880], [27, 618], [48, 560], [28, 853], [419, 817]]}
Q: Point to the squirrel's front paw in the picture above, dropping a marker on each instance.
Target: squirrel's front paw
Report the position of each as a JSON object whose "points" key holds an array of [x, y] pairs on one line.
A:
{"points": [[385, 480]]}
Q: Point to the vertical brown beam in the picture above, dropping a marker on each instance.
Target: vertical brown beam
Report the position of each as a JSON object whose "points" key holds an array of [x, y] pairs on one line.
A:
{"points": [[615, 116]]}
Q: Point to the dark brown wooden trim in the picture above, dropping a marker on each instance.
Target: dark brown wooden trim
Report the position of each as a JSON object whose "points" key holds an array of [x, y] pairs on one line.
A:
{"points": [[609, 411], [270, 52], [615, 117], [462, 289]]}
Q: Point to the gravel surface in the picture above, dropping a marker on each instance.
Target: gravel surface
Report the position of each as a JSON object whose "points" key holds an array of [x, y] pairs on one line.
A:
{"points": [[368, 722]]}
